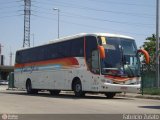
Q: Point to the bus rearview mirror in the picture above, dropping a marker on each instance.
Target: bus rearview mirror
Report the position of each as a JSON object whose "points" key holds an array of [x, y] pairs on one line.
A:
{"points": [[101, 51], [146, 55]]}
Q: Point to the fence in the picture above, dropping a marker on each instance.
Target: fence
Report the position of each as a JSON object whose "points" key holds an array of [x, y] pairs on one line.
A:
{"points": [[149, 76]]}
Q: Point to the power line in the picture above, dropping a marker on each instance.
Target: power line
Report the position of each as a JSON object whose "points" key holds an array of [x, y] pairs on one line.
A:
{"points": [[7, 16], [10, 12], [82, 16], [6, 7], [121, 3], [35, 6], [73, 15], [7, 2], [88, 26], [64, 4], [106, 20]]}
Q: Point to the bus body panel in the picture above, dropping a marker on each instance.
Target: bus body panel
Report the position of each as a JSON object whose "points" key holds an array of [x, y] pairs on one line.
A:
{"points": [[58, 74], [61, 79]]}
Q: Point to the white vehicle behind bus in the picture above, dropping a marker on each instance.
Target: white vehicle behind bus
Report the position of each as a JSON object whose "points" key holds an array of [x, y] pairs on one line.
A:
{"points": [[98, 62]]}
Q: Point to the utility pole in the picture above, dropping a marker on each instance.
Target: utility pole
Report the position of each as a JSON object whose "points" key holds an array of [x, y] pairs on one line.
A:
{"points": [[1, 56], [58, 10], [1, 49], [27, 13], [157, 45], [11, 54]]}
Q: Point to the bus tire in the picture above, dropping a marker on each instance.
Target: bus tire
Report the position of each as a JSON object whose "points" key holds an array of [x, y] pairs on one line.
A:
{"points": [[29, 88], [77, 88], [54, 92], [110, 95]]}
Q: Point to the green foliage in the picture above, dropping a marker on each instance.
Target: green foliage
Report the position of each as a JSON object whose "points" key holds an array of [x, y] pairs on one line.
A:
{"points": [[150, 46]]}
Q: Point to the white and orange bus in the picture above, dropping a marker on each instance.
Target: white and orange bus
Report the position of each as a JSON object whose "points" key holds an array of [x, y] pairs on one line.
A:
{"points": [[98, 62]]}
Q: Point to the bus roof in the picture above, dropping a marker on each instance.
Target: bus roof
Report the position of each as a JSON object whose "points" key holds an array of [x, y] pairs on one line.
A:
{"points": [[87, 34], [81, 35]]}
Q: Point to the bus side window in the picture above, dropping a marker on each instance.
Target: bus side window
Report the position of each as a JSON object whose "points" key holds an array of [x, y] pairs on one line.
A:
{"points": [[77, 49], [91, 46], [18, 57]]}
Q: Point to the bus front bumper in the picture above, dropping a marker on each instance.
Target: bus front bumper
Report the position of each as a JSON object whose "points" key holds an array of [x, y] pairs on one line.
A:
{"points": [[108, 87]]}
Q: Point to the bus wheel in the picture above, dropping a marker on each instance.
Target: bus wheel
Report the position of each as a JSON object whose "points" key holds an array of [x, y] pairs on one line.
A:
{"points": [[77, 87], [29, 88], [110, 95], [54, 92]]}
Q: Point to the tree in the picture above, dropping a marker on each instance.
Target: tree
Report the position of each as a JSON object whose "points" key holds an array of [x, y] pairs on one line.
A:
{"points": [[150, 46]]}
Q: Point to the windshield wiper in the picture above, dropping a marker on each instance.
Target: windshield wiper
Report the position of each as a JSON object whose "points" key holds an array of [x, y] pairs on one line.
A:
{"points": [[131, 71], [124, 63]]}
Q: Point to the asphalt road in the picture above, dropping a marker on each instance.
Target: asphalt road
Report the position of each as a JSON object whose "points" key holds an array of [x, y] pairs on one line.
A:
{"points": [[18, 102]]}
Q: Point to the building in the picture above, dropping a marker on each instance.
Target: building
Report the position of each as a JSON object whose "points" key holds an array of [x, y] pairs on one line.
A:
{"points": [[4, 71]]}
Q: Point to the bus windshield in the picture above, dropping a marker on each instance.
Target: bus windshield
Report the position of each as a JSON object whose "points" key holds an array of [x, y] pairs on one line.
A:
{"points": [[121, 57]]}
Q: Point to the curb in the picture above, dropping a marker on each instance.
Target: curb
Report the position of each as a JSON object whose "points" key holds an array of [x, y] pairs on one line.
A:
{"points": [[155, 97], [131, 95]]}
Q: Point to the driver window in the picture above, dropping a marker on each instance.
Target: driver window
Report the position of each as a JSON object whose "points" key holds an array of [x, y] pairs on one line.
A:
{"points": [[92, 56], [95, 63]]}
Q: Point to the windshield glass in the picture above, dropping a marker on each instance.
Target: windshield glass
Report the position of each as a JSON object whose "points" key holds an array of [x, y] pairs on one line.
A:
{"points": [[121, 57]]}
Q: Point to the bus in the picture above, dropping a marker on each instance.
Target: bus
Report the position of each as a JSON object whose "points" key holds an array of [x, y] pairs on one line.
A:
{"points": [[83, 63]]}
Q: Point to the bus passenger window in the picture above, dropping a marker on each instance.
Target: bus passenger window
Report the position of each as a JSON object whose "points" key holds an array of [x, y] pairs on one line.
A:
{"points": [[77, 49]]}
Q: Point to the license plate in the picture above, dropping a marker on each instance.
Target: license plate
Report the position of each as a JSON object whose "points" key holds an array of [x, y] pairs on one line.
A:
{"points": [[124, 88]]}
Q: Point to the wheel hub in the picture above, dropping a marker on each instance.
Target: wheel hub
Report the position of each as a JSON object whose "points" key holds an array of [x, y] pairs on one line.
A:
{"points": [[78, 88]]}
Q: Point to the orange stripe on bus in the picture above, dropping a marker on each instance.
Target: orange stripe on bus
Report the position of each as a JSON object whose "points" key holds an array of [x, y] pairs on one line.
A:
{"points": [[61, 61], [118, 79]]}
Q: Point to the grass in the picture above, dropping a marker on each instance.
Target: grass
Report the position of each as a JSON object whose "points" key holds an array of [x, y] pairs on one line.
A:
{"points": [[151, 91]]}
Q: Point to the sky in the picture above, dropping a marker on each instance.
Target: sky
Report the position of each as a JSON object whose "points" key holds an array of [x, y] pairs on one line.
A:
{"points": [[135, 18]]}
